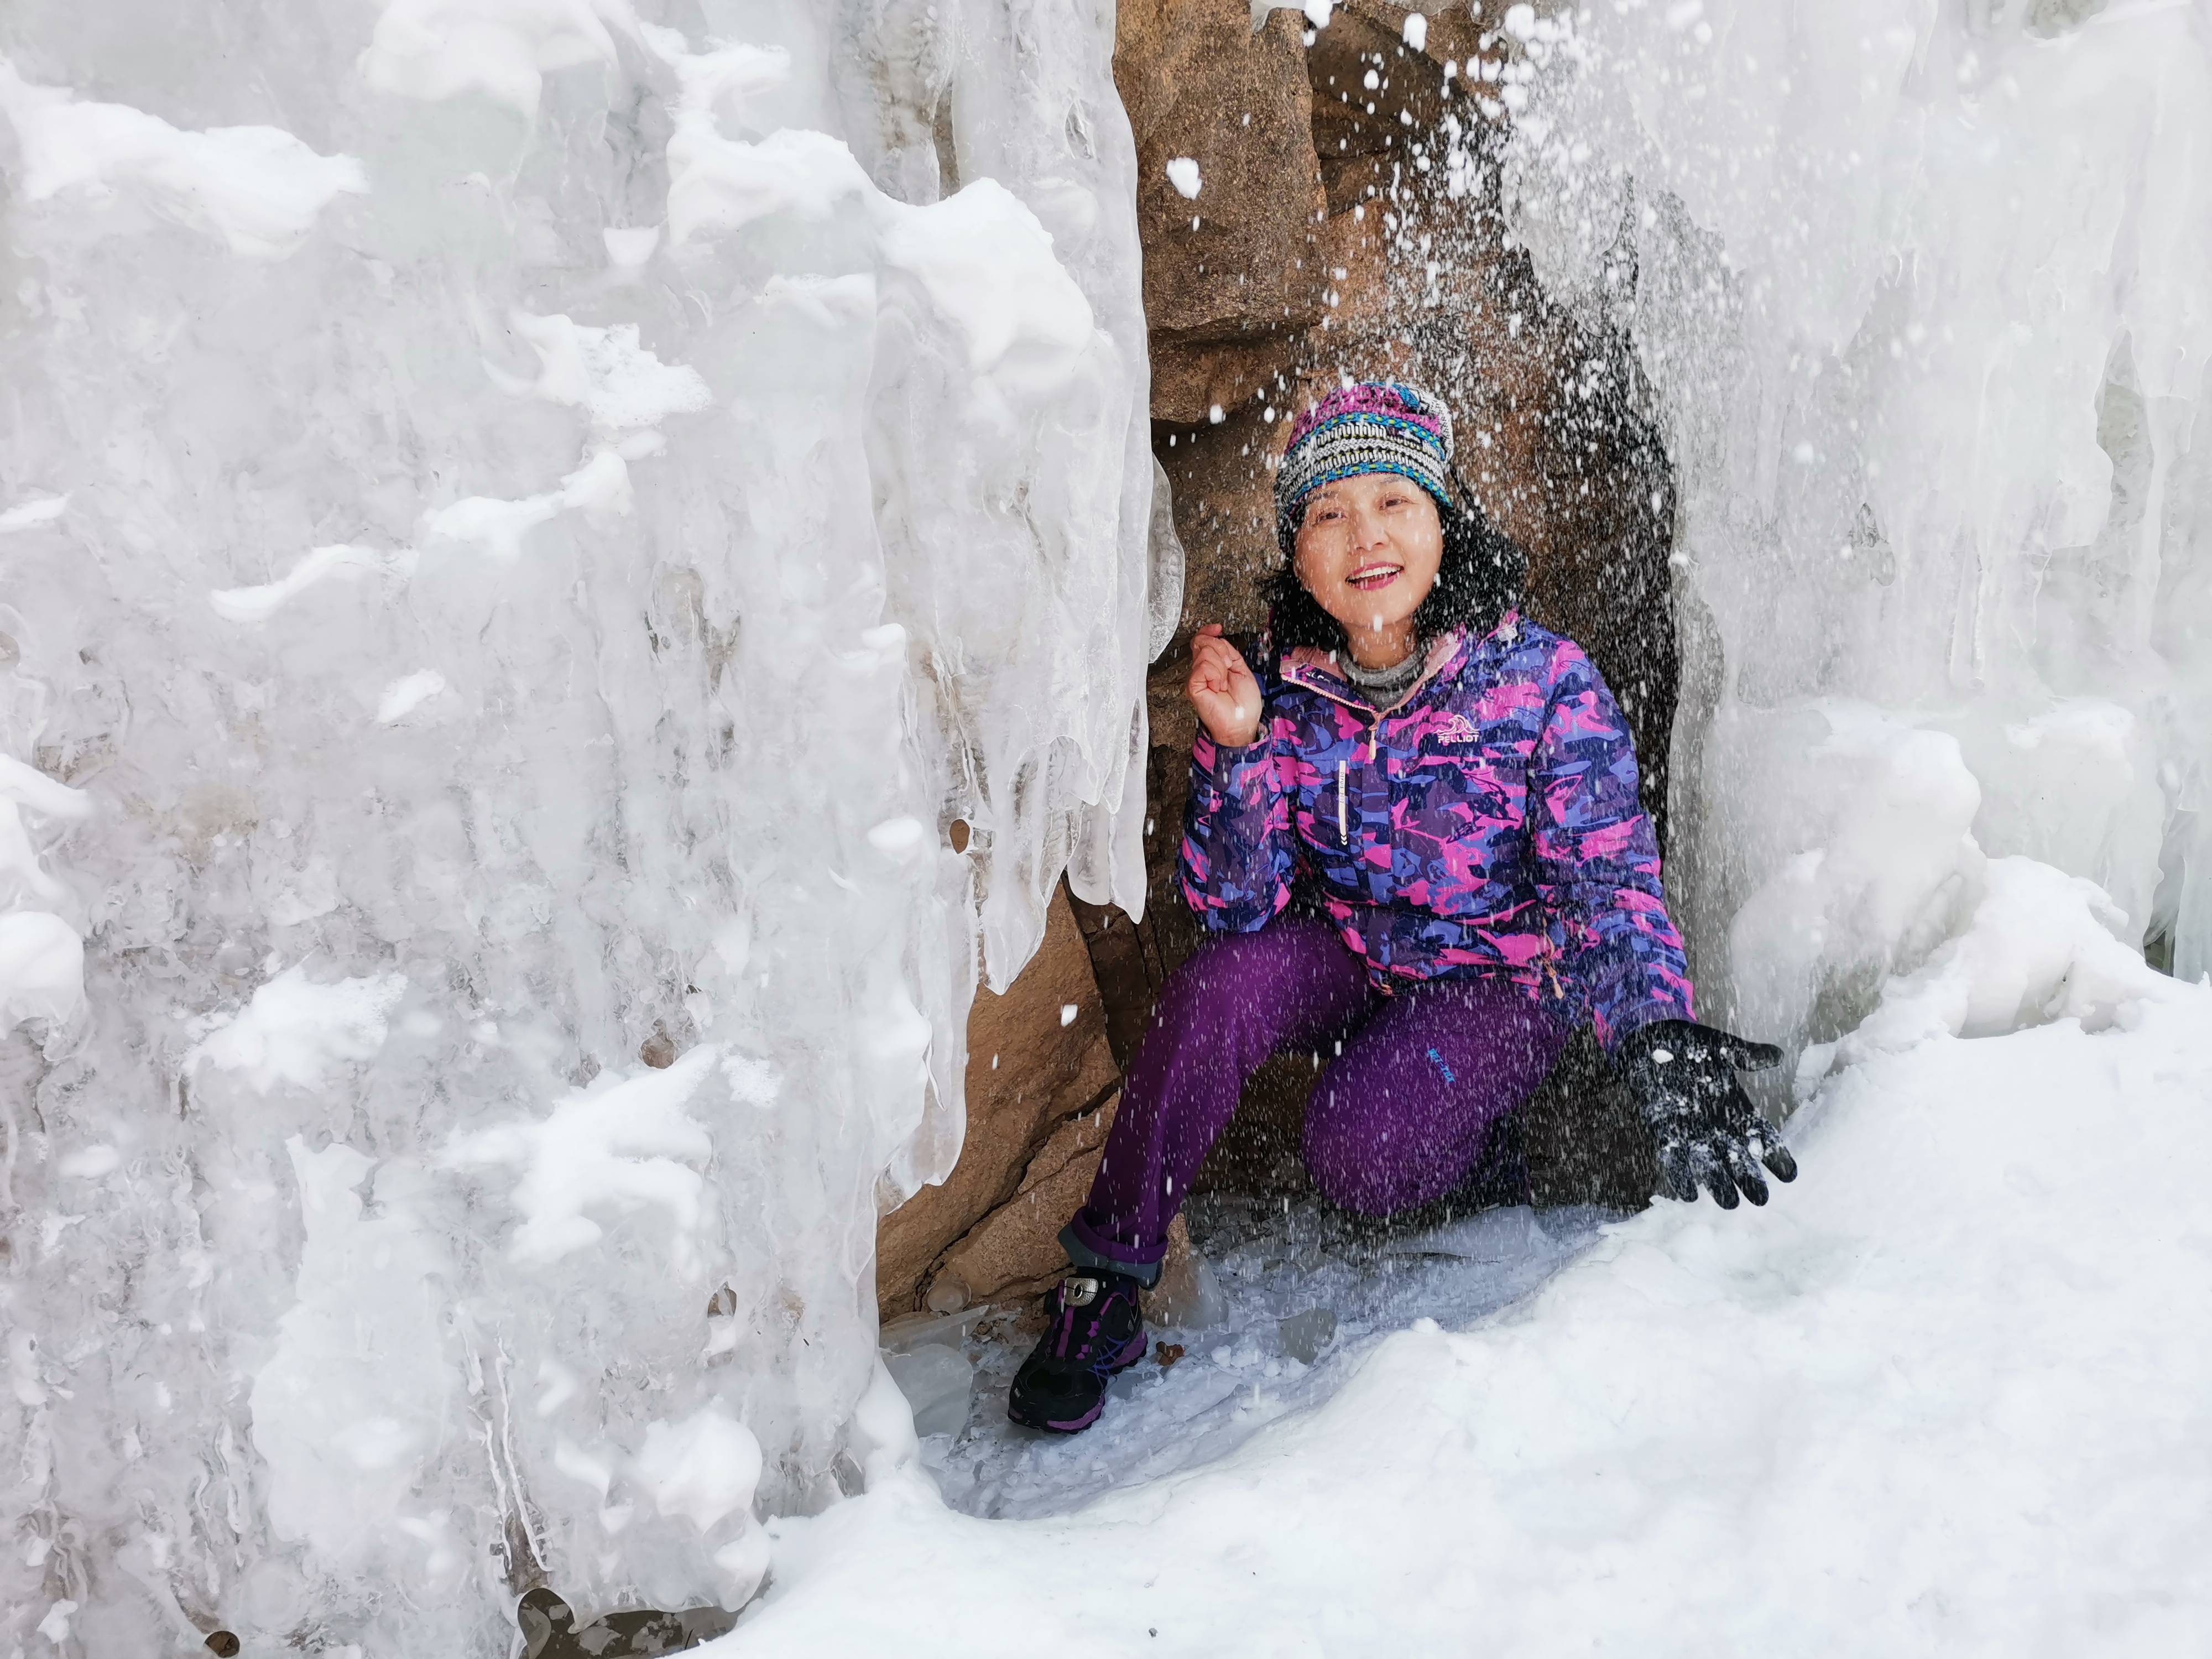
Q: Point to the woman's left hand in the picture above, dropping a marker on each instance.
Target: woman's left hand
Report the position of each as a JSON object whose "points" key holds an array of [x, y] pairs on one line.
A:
{"points": [[1706, 1129]]}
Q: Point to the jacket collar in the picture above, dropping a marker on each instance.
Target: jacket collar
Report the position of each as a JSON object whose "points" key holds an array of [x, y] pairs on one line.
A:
{"points": [[1318, 670]]}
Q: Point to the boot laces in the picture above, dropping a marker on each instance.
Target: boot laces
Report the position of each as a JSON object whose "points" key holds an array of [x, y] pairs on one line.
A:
{"points": [[1083, 1300]]}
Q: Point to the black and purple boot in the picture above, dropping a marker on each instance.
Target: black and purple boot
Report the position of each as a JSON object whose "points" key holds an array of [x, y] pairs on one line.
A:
{"points": [[1096, 1329]]}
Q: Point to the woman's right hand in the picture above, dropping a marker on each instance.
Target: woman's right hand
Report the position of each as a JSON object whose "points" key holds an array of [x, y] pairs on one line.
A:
{"points": [[1222, 690]]}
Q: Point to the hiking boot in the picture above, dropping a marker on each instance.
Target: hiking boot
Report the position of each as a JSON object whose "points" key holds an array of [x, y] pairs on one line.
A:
{"points": [[1096, 1329]]}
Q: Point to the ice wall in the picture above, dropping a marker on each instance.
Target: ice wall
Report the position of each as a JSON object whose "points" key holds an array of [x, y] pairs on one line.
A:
{"points": [[523, 523], [1918, 292]]}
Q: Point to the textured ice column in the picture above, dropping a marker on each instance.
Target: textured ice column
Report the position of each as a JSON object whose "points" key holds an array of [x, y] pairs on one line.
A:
{"points": [[522, 523], [1918, 292]]}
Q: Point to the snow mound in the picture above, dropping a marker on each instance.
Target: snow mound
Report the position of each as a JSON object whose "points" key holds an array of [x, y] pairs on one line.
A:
{"points": [[624, 1144], [1944, 1394], [258, 188], [297, 1032]]}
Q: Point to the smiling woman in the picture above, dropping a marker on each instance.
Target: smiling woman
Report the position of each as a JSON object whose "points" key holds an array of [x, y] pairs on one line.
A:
{"points": [[1368, 552], [1414, 834]]}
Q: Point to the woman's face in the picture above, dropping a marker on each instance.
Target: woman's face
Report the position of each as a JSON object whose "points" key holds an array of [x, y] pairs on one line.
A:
{"points": [[1368, 550]]}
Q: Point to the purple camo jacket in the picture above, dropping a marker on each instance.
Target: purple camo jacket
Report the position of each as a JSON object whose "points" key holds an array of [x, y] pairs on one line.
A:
{"points": [[1489, 824]]}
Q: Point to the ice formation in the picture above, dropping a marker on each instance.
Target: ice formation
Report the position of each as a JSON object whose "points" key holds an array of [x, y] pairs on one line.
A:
{"points": [[1918, 295], [522, 524]]}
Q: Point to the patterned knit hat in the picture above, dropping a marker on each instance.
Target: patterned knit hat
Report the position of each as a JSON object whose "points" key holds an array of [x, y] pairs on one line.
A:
{"points": [[1377, 426]]}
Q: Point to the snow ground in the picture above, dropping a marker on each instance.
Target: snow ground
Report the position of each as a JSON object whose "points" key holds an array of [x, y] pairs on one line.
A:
{"points": [[1946, 1396], [1296, 1287]]}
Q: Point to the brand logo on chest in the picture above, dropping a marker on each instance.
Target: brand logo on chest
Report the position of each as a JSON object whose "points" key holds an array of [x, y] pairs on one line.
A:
{"points": [[1455, 728]]}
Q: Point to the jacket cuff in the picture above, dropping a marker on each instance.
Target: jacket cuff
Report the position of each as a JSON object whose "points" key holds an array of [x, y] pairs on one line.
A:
{"points": [[1223, 767], [1211, 757], [1612, 1033]]}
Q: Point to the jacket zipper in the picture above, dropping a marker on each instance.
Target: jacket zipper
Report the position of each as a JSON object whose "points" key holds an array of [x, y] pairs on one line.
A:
{"points": [[1343, 826], [1373, 735], [1374, 740]]}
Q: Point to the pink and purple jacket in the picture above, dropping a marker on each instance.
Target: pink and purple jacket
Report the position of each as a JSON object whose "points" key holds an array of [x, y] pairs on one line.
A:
{"points": [[1488, 823]]}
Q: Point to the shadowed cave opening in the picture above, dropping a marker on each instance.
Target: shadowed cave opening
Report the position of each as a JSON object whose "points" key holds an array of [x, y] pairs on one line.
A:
{"points": [[1354, 222]]}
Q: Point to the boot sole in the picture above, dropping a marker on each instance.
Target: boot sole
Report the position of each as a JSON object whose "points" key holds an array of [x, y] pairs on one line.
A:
{"points": [[1129, 1356]]}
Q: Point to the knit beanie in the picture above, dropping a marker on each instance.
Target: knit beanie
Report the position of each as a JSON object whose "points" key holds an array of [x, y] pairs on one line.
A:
{"points": [[1374, 426]]}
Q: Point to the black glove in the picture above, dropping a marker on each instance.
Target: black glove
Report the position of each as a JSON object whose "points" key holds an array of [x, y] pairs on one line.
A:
{"points": [[1706, 1129]]}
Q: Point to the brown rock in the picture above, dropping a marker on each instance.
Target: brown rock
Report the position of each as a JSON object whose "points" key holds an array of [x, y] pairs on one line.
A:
{"points": [[1045, 1072], [1258, 1152], [1133, 959], [1229, 285], [1224, 513], [1364, 135], [1015, 1250]]}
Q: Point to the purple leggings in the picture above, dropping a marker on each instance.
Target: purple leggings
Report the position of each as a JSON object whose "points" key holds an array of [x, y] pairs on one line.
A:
{"points": [[1399, 1117]]}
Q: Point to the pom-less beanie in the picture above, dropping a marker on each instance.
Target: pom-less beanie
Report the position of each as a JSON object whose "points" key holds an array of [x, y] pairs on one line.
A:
{"points": [[1374, 426]]}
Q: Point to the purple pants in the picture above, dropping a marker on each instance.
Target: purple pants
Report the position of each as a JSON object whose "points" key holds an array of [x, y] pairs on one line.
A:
{"points": [[1399, 1117]]}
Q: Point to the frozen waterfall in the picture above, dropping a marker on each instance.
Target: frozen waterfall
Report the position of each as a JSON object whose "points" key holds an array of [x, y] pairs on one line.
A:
{"points": [[523, 525], [526, 524], [1919, 292]]}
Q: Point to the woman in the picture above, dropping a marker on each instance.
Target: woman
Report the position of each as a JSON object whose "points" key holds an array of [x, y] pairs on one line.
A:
{"points": [[1456, 789]]}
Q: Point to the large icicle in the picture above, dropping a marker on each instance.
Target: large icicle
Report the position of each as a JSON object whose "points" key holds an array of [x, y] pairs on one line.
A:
{"points": [[523, 525], [1919, 292]]}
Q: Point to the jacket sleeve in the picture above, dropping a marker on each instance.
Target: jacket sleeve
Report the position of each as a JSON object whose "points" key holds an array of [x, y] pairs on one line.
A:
{"points": [[1597, 862], [1236, 848]]}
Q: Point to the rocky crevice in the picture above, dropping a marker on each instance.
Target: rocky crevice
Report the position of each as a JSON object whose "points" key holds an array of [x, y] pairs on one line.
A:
{"points": [[1350, 221]]}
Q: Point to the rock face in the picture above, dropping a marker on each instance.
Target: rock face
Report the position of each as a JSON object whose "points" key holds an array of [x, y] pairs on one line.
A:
{"points": [[1032, 1069], [1232, 275], [1015, 1249]]}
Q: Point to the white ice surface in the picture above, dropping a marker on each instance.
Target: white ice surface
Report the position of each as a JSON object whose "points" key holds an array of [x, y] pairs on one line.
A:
{"points": [[297, 1032], [1944, 1396], [1917, 296], [1303, 1298], [257, 188], [37, 511], [321, 380], [523, 524]]}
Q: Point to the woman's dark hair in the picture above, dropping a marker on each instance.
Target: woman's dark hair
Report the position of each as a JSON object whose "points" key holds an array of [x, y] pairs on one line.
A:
{"points": [[1479, 579]]}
